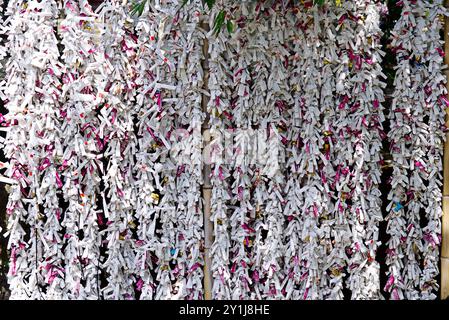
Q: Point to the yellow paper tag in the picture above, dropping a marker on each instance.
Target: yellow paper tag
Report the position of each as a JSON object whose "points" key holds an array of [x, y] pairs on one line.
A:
{"points": [[155, 197], [335, 272]]}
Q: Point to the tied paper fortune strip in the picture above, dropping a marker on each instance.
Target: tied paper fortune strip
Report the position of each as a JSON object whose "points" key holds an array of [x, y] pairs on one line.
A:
{"points": [[81, 35], [218, 107], [416, 144], [103, 137], [240, 114], [32, 97], [188, 158], [319, 235], [365, 116], [117, 132], [313, 202], [294, 270], [151, 178], [174, 127], [271, 96]]}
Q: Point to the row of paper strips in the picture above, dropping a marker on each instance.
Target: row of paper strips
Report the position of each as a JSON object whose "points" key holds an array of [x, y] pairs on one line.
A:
{"points": [[105, 148]]}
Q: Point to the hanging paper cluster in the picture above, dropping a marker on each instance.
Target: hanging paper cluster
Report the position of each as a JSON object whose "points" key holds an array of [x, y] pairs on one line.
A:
{"points": [[303, 223], [32, 95], [104, 136], [416, 144], [104, 141]]}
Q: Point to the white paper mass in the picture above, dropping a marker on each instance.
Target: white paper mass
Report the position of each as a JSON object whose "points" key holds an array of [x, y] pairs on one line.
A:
{"points": [[106, 146], [416, 144]]}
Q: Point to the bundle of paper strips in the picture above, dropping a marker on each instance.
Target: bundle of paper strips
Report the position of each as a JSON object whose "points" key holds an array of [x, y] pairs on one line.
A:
{"points": [[106, 149]]}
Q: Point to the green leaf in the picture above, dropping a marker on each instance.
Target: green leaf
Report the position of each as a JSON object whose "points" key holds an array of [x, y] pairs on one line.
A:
{"points": [[219, 21], [319, 2], [138, 7], [210, 3], [184, 3], [230, 26]]}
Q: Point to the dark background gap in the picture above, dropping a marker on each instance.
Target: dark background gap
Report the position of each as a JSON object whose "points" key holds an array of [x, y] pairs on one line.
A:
{"points": [[388, 63]]}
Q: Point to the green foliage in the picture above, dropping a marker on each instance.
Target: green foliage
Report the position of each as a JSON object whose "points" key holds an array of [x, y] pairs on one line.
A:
{"points": [[230, 26], [210, 3], [138, 7], [219, 21]]}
